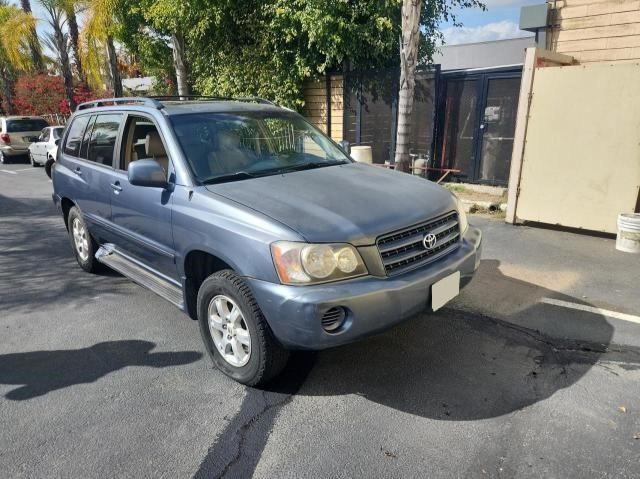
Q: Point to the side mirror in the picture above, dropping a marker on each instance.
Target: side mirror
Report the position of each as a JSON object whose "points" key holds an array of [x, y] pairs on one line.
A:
{"points": [[147, 173], [57, 142], [346, 146]]}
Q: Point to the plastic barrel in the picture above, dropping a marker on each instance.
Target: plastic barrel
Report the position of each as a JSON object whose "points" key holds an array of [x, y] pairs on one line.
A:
{"points": [[362, 154], [628, 239]]}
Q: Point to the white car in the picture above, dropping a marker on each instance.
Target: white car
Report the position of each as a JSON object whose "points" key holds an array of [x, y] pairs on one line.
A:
{"points": [[43, 151]]}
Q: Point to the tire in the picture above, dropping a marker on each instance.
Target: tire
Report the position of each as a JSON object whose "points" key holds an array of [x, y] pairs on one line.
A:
{"points": [[3, 158], [83, 245], [266, 358], [48, 166]]}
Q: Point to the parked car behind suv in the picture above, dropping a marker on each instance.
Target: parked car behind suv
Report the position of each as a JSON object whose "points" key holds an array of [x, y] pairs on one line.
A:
{"points": [[257, 225], [16, 133], [43, 151]]}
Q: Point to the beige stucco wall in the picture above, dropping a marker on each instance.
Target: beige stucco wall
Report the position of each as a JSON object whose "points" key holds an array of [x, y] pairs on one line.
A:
{"points": [[581, 162]]}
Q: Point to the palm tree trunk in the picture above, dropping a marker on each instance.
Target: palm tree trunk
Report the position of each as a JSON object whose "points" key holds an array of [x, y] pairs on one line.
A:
{"points": [[408, 62], [114, 73], [7, 89], [180, 63], [65, 67], [74, 34], [34, 43]]}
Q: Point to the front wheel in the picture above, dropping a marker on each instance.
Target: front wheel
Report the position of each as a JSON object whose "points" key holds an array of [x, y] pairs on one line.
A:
{"points": [[235, 332], [32, 161]]}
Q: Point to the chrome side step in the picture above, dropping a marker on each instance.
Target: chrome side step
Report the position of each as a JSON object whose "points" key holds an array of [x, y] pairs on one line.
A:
{"points": [[140, 274]]}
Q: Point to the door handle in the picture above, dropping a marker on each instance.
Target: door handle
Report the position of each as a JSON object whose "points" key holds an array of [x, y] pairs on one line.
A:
{"points": [[78, 171], [116, 187]]}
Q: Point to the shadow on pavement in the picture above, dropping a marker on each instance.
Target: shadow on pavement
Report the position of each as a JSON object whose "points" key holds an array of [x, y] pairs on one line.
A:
{"points": [[450, 366], [37, 266], [40, 372]]}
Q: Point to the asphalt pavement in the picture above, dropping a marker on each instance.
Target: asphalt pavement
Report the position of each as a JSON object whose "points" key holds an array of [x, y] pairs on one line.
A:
{"points": [[100, 377]]}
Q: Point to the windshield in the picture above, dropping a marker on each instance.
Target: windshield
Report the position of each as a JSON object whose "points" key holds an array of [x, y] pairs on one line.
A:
{"points": [[26, 124], [234, 146]]}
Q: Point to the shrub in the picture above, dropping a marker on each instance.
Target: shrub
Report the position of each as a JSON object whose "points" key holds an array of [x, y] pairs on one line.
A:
{"points": [[44, 94]]}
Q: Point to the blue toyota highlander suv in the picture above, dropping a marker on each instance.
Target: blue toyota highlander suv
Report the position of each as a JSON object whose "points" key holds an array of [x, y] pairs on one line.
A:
{"points": [[257, 225]]}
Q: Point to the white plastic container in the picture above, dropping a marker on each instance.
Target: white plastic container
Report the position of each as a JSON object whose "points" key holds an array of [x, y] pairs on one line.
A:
{"points": [[628, 239], [362, 154], [419, 165]]}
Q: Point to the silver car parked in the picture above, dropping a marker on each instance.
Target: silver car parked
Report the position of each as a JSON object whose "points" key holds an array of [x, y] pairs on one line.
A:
{"points": [[17, 133]]}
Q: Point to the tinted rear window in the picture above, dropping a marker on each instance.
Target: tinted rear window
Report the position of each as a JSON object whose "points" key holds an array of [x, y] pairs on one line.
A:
{"points": [[28, 124], [74, 138], [103, 139]]}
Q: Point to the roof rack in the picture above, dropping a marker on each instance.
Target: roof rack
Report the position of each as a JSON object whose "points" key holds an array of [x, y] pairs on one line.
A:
{"points": [[131, 100], [255, 99], [155, 101]]}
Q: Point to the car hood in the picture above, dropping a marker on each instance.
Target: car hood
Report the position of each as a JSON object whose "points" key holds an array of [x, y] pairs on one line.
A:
{"points": [[352, 203]]}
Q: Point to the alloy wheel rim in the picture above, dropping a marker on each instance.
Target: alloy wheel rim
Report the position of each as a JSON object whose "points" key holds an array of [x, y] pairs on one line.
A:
{"points": [[80, 239], [229, 331]]}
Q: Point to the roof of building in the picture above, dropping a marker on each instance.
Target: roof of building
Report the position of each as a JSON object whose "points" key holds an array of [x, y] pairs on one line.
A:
{"points": [[493, 54]]}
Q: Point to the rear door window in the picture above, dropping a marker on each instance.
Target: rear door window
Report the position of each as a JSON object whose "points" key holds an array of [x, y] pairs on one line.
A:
{"points": [[26, 124], [103, 139], [74, 138]]}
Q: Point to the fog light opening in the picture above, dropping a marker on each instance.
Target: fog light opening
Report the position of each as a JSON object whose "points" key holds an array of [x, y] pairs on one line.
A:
{"points": [[333, 319]]}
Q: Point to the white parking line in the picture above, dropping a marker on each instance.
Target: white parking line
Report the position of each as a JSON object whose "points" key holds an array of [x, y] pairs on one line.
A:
{"points": [[26, 169], [590, 309], [8, 171]]}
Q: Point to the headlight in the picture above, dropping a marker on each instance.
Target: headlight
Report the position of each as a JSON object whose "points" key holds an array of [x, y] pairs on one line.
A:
{"points": [[462, 217], [304, 263]]}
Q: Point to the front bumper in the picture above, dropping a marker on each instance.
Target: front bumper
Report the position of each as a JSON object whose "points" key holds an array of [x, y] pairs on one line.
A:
{"points": [[373, 304]]}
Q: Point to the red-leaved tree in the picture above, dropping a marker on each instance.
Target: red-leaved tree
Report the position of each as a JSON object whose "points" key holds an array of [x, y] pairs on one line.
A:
{"points": [[44, 94]]}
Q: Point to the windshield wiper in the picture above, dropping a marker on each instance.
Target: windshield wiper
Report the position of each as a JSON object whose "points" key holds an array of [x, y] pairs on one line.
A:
{"points": [[309, 166], [238, 175]]}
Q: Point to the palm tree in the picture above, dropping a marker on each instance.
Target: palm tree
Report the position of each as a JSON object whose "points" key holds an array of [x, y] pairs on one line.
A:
{"points": [[74, 36], [16, 36], [180, 63], [34, 44], [408, 61], [55, 10], [98, 31]]}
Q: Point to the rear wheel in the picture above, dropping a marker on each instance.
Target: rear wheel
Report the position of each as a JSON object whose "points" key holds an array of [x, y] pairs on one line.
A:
{"points": [[83, 245], [235, 333], [48, 166]]}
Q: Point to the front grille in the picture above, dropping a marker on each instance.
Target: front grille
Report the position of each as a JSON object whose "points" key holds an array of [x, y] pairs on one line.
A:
{"points": [[404, 250]]}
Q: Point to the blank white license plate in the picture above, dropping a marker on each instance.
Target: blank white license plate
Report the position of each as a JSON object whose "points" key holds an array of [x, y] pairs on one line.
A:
{"points": [[445, 290]]}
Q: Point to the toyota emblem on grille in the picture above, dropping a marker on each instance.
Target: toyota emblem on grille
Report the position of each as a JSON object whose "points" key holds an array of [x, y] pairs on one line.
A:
{"points": [[429, 241]]}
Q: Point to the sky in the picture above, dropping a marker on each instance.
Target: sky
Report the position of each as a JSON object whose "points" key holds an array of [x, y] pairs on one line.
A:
{"points": [[498, 22]]}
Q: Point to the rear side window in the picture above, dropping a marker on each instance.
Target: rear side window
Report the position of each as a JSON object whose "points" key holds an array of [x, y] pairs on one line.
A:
{"points": [[74, 138], [26, 124], [103, 139]]}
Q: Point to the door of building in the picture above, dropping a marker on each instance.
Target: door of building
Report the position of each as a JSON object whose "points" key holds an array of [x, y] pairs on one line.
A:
{"points": [[477, 117]]}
